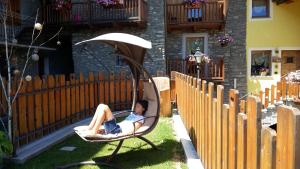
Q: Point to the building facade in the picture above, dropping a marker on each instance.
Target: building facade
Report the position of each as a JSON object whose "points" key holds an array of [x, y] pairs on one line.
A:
{"points": [[175, 28], [273, 44]]}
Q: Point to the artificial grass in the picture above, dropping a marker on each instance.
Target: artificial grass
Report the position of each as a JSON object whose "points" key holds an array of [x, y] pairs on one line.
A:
{"points": [[133, 154]]}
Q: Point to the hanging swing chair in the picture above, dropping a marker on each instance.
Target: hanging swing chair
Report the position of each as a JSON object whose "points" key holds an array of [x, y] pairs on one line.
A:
{"points": [[132, 49]]}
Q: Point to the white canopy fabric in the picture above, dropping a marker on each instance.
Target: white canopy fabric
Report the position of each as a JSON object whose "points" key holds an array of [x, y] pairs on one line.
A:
{"points": [[121, 37], [131, 46]]}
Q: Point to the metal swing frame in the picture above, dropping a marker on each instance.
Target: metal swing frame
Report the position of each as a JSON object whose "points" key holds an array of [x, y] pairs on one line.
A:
{"points": [[135, 61]]}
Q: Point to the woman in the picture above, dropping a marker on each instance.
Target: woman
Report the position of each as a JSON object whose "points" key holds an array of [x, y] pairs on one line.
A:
{"points": [[104, 116]]}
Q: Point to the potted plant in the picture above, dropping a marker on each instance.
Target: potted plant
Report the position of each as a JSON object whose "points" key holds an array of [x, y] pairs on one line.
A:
{"points": [[62, 5], [224, 40], [111, 3], [263, 71], [6, 148], [193, 3]]}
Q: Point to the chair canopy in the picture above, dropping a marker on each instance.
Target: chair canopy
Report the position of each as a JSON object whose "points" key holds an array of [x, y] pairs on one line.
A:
{"points": [[131, 46]]}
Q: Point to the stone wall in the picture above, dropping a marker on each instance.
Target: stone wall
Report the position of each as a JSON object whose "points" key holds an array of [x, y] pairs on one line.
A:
{"points": [[234, 54], [95, 57]]}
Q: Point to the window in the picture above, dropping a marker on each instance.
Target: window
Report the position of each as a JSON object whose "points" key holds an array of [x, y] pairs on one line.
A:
{"points": [[192, 43], [261, 63], [260, 8], [290, 59], [120, 61]]}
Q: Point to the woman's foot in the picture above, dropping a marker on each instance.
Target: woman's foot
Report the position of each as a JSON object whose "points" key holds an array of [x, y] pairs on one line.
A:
{"points": [[91, 132]]}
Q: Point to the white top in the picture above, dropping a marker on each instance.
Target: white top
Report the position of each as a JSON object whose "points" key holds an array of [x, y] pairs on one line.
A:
{"points": [[127, 125]]}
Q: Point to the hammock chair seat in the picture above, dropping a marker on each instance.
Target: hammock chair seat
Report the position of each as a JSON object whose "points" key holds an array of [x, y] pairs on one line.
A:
{"points": [[150, 115]]}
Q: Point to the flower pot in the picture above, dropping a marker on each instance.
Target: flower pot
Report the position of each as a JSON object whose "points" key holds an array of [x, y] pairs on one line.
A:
{"points": [[263, 73]]}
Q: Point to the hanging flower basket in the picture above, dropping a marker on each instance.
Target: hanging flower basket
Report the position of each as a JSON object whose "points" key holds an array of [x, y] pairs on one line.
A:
{"points": [[111, 3], [224, 40], [193, 3], [62, 5]]}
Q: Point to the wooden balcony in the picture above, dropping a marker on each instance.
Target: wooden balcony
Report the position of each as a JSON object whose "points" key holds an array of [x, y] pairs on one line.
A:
{"points": [[91, 13], [212, 71], [208, 15]]}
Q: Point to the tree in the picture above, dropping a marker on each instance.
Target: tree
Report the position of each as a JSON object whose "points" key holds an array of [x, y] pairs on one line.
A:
{"points": [[5, 18]]}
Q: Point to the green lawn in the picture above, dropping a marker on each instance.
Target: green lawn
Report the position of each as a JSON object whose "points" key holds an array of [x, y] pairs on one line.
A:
{"points": [[133, 154]]}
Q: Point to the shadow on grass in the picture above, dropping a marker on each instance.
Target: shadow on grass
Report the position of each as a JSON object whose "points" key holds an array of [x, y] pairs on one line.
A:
{"points": [[133, 154], [143, 155]]}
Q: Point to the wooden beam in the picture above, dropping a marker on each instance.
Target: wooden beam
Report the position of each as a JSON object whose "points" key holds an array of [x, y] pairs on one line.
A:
{"points": [[27, 46]]}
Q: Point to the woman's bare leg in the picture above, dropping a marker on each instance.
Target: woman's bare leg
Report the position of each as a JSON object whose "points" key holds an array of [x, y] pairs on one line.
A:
{"points": [[92, 123], [103, 114]]}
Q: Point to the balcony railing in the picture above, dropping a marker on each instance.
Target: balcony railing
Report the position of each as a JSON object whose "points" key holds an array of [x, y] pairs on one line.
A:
{"points": [[15, 22], [212, 71], [92, 13], [207, 15]]}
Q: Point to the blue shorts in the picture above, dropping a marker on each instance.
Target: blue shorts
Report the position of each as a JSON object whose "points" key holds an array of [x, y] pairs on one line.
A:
{"points": [[111, 127]]}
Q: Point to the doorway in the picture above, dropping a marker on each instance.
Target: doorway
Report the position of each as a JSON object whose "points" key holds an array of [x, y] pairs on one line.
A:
{"points": [[290, 61]]}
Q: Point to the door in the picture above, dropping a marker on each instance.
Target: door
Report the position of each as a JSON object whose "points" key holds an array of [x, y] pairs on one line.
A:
{"points": [[290, 61]]}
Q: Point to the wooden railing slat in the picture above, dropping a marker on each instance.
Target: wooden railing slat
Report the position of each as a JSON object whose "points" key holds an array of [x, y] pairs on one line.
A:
{"points": [[253, 132]]}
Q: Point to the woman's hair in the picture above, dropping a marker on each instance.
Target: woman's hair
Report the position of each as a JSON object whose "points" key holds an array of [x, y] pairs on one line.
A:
{"points": [[144, 104]]}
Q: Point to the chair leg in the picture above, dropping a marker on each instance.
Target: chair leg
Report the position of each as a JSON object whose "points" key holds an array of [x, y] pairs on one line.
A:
{"points": [[115, 151], [149, 142]]}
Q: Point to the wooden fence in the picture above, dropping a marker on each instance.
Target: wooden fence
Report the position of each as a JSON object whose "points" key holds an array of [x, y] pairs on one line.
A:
{"points": [[230, 136], [282, 91], [47, 104]]}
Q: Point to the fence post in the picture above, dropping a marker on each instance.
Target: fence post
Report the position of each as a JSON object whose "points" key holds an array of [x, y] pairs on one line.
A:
{"points": [[82, 95], [268, 149], [62, 85], [278, 91], [45, 104], [242, 141], [209, 123], [57, 102], [198, 118], [272, 94], [225, 136], [267, 93], [37, 85], [233, 111], [51, 85], [22, 103], [203, 117], [73, 93], [91, 80], [253, 132], [214, 134], [194, 117], [219, 116], [288, 136], [30, 109]]}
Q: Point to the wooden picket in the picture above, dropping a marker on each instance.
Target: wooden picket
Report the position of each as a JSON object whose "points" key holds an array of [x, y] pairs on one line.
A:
{"points": [[46, 104], [288, 136], [268, 150], [230, 136], [242, 141]]}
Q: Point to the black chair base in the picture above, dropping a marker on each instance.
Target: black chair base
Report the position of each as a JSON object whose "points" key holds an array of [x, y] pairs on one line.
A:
{"points": [[105, 161]]}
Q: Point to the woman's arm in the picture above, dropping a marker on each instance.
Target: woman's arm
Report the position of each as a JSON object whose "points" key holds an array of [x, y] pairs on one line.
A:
{"points": [[137, 125]]}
